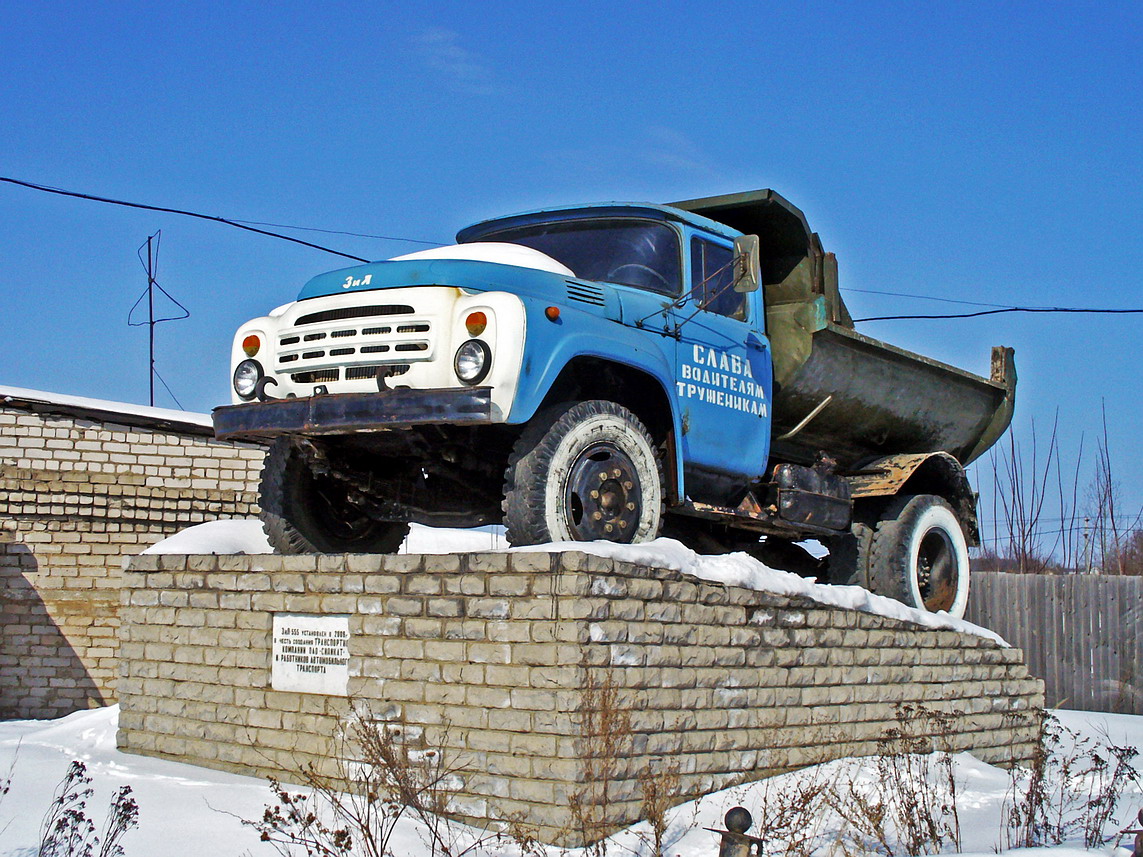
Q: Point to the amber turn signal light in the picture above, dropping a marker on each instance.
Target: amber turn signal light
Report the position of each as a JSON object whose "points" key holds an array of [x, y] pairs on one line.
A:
{"points": [[476, 323], [553, 313], [251, 344]]}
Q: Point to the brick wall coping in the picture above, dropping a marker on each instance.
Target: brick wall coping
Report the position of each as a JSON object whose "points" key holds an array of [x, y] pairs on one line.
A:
{"points": [[123, 413]]}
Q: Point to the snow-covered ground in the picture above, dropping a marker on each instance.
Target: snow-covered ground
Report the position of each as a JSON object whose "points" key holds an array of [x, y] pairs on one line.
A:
{"points": [[185, 810]]}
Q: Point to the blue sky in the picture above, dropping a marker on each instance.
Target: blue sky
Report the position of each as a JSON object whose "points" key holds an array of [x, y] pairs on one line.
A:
{"points": [[979, 151]]}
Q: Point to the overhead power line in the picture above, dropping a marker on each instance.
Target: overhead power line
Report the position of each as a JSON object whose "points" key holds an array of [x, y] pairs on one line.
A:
{"points": [[1024, 309], [925, 298], [236, 224], [342, 232], [990, 309], [252, 226]]}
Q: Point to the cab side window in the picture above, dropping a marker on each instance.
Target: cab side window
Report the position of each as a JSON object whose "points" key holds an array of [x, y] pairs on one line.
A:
{"points": [[712, 277]]}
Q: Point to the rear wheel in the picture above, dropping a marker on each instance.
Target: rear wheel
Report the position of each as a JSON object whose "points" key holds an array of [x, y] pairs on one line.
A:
{"points": [[583, 471], [303, 512], [919, 555]]}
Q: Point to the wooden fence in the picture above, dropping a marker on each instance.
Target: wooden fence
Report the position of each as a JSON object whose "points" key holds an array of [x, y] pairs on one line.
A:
{"points": [[1080, 633]]}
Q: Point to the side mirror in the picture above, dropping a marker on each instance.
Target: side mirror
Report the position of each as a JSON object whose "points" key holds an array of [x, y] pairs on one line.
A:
{"points": [[747, 265]]}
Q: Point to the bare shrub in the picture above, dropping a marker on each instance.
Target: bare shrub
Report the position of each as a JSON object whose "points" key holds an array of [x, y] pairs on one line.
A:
{"points": [[378, 775], [1042, 796], [605, 743], [1022, 489], [1071, 786], [1116, 540], [865, 815], [67, 831], [658, 785], [790, 818], [1109, 770], [1032, 540], [911, 807]]}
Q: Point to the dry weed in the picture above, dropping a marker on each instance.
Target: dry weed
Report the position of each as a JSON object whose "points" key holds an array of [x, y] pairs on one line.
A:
{"points": [[911, 807]]}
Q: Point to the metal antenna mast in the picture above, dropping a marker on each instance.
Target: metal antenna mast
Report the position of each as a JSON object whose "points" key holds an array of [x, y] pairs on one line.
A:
{"points": [[151, 266]]}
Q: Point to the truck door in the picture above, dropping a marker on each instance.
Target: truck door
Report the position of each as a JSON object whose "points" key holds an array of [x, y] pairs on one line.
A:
{"points": [[723, 378]]}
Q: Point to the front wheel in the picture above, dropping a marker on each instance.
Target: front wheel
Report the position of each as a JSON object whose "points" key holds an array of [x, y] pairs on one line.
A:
{"points": [[583, 471], [303, 512], [919, 555]]}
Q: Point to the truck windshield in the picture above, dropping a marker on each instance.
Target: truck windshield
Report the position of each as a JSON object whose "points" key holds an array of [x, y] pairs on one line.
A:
{"points": [[638, 253]]}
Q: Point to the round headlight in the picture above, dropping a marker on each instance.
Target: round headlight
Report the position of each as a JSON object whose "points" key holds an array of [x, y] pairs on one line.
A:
{"points": [[247, 374], [472, 362]]}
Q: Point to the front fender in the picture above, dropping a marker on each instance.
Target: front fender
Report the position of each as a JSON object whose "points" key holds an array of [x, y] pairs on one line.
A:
{"points": [[552, 345]]}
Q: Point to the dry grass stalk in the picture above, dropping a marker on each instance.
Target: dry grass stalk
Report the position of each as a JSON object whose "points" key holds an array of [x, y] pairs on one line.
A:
{"points": [[604, 746], [1072, 786], [67, 831], [912, 805], [379, 775], [658, 785], [790, 820]]}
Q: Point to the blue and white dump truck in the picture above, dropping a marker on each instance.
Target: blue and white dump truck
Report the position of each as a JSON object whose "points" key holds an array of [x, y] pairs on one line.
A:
{"points": [[618, 371]]}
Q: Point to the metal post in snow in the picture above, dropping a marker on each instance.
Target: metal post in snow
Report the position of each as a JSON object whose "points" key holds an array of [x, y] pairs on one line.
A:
{"points": [[735, 842]]}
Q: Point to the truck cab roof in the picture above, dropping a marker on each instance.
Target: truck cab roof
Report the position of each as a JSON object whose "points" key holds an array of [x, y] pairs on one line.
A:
{"points": [[649, 210], [787, 240]]}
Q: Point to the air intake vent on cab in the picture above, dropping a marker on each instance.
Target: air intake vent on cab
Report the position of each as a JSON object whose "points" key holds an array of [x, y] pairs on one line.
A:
{"points": [[585, 293]]}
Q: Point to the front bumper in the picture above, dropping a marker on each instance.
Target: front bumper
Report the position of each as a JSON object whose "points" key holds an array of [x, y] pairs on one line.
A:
{"points": [[345, 413]]}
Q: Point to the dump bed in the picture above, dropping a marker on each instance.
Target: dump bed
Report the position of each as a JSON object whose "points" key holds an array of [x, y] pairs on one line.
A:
{"points": [[835, 390]]}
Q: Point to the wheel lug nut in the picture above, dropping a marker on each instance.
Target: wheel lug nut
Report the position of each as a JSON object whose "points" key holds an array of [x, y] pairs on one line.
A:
{"points": [[622, 525], [616, 472], [597, 516], [594, 495], [608, 528], [630, 507], [628, 485], [603, 477]]}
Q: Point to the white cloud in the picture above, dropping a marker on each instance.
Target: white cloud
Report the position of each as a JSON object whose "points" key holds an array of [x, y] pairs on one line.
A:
{"points": [[461, 69], [674, 150]]}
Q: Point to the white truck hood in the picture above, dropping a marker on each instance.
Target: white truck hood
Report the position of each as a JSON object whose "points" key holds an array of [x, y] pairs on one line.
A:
{"points": [[492, 251]]}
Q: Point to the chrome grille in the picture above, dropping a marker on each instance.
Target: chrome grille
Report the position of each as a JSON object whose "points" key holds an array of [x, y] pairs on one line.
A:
{"points": [[318, 354], [357, 373], [353, 312], [321, 376]]}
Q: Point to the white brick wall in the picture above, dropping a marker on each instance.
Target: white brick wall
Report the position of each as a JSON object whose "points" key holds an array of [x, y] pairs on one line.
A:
{"points": [[77, 496]]}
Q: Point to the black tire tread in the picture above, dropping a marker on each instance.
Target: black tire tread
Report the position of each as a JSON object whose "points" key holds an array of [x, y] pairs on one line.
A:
{"points": [[849, 556], [887, 565], [524, 489], [273, 500], [283, 536]]}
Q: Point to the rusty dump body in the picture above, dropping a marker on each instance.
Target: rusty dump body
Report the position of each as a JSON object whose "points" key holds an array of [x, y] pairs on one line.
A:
{"points": [[837, 391]]}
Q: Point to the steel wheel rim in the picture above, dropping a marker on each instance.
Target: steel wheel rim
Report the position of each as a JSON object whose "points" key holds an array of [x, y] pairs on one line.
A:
{"points": [[937, 570], [603, 495]]}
